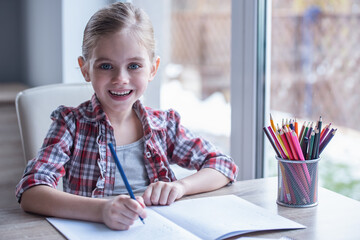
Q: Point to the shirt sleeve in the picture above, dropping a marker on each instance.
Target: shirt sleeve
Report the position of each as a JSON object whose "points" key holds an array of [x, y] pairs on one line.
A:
{"points": [[192, 152], [48, 166]]}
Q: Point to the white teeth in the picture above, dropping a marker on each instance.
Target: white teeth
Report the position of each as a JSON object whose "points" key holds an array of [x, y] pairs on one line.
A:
{"points": [[124, 93]]}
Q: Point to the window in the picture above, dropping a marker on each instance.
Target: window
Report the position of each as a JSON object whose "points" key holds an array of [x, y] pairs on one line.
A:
{"points": [[197, 75], [314, 72], [193, 41]]}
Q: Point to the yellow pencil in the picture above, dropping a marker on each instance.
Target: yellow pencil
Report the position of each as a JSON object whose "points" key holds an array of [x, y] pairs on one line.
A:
{"points": [[272, 123], [282, 144], [285, 181]]}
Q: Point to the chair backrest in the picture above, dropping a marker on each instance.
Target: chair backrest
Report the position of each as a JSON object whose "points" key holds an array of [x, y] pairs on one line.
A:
{"points": [[34, 106]]}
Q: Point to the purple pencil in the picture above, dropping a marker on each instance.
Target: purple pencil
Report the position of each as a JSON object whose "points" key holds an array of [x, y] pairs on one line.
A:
{"points": [[272, 142], [324, 134], [327, 140]]}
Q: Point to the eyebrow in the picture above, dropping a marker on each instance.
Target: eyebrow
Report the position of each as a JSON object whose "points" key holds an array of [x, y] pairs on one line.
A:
{"points": [[100, 59]]}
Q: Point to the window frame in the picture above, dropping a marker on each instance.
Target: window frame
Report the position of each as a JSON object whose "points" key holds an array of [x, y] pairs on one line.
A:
{"points": [[248, 89]]}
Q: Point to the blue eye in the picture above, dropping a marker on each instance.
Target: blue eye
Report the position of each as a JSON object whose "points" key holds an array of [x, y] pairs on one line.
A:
{"points": [[105, 66], [133, 66]]}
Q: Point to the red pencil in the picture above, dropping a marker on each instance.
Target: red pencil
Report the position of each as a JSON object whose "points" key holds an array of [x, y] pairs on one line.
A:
{"points": [[286, 144], [301, 131], [291, 144]]}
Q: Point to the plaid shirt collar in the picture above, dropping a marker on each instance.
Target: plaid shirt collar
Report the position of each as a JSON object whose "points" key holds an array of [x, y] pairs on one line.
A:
{"points": [[95, 113]]}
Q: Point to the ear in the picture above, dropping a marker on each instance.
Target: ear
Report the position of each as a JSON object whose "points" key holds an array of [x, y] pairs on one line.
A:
{"points": [[83, 68], [154, 68]]}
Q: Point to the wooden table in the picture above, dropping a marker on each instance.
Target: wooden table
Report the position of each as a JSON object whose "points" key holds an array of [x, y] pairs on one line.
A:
{"points": [[335, 217]]}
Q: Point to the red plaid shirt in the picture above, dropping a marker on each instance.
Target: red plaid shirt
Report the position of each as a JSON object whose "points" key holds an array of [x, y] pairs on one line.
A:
{"points": [[75, 148]]}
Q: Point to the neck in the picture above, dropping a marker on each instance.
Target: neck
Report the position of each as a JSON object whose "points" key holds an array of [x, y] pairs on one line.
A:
{"points": [[127, 128], [118, 118]]}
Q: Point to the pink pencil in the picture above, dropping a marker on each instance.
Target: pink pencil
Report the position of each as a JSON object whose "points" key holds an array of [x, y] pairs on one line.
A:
{"points": [[297, 146], [298, 150], [291, 144], [297, 179]]}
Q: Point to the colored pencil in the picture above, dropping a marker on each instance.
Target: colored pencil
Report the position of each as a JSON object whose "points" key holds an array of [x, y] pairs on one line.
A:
{"points": [[327, 140], [286, 144], [272, 142], [285, 181], [304, 146], [304, 133], [324, 132], [319, 125], [298, 185], [302, 130], [282, 145], [310, 147], [272, 123], [277, 143], [291, 125], [316, 145], [310, 130], [301, 157], [291, 146]]}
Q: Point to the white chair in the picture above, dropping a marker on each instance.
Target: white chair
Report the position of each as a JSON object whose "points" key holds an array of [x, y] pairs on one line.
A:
{"points": [[34, 106]]}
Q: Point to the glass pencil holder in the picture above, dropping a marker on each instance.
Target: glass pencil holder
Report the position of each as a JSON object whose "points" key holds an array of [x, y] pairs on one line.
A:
{"points": [[297, 183]]}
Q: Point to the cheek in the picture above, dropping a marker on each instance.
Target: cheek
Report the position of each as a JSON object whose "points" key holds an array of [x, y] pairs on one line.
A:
{"points": [[141, 80], [100, 77]]}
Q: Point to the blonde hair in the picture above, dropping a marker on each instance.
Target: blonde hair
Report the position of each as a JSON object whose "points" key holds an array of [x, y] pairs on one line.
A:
{"points": [[117, 17]]}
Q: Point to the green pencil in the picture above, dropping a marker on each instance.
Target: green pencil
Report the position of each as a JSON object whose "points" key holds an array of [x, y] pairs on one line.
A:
{"points": [[310, 147], [315, 149], [304, 133]]}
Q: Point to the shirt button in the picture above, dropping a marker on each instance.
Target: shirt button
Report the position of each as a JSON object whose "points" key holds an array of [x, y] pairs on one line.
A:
{"points": [[156, 180], [148, 154]]}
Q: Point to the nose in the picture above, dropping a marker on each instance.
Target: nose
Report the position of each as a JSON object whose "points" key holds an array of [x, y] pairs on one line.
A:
{"points": [[120, 77]]}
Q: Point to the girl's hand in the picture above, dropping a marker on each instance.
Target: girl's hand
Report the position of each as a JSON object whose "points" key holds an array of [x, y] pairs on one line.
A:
{"points": [[163, 193], [122, 211]]}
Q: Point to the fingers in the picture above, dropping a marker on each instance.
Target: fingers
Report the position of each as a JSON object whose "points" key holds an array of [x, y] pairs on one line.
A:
{"points": [[121, 212], [147, 194], [162, 193], [140, 200], [173, 196]]}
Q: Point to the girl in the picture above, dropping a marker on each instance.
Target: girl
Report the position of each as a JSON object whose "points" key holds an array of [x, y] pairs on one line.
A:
{"points": [[119, 60]]}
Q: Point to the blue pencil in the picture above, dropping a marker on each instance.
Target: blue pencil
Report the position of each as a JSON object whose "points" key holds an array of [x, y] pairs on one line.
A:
{"points": [[122, 173]]}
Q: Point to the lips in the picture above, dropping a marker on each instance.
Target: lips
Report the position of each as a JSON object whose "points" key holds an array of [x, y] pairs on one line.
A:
{"points": [[122, 93]]}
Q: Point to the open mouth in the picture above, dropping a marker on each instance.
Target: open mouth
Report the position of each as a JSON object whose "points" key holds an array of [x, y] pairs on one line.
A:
{"points": [[120, 93]]}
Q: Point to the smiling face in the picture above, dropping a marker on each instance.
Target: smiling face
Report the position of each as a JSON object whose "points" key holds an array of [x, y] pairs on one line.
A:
{"points": [[119, 69]]}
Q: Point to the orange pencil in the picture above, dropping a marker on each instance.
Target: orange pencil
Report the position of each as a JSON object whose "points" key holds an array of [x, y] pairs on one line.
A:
{"points": [[296, 128], [272, 123]]}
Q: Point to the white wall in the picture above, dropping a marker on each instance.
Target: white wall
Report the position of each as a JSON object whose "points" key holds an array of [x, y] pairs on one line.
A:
{"points": [[52, 31], [159, 13], [75, 15]]}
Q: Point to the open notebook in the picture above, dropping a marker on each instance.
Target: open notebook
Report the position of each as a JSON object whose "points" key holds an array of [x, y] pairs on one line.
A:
{"points": [[202, 218]]}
